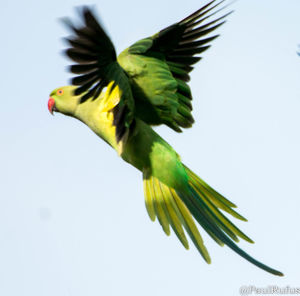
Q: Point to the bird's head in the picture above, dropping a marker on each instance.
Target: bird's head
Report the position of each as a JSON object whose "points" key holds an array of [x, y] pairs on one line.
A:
{"points": [[63, 100]]}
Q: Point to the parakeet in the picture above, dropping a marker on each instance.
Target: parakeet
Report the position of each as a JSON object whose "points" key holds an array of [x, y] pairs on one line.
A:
{"points": [[121, 98]]}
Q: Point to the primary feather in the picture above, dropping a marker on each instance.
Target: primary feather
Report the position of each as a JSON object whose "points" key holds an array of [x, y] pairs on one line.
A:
{"points": [[147, 84]]}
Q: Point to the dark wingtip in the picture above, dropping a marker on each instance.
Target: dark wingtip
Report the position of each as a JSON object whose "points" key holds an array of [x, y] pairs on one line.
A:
{"points": [[86, 12], [65, 21], [194, 14]]}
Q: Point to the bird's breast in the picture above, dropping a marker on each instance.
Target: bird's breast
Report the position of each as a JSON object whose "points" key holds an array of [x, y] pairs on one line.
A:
{"points": [[98, 116]]}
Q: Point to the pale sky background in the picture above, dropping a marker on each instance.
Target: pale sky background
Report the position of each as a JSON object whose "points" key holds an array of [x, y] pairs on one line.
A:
{"points": [[72, 214]]}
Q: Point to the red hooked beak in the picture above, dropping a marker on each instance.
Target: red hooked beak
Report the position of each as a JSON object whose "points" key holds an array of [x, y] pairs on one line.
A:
{"points": [[51, 105]]}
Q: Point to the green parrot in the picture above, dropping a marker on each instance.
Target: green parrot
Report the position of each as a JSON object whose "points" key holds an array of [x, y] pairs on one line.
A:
{"points": [[120, 98]]}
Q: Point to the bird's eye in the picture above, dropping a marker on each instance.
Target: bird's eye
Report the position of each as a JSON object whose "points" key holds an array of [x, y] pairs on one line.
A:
{"points": [[60, 92]]}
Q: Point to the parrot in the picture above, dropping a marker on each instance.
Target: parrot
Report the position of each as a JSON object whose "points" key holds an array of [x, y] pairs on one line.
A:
{"points": [[121, 98]]}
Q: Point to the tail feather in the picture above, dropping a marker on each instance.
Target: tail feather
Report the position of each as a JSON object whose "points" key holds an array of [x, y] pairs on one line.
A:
{"points": [[216, 198], [175, 217], [172, 211], [199, 201], [215, 215], [159, 205]]}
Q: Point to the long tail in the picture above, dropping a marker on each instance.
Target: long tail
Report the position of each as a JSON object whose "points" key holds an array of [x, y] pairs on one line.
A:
{"points": [[199, 201]]}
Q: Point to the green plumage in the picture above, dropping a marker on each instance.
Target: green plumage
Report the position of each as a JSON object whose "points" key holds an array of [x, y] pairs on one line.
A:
{"points": [[119, 98]]}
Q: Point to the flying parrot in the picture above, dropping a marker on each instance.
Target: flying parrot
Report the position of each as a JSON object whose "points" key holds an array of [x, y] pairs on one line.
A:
{"points": [[121, 97]]}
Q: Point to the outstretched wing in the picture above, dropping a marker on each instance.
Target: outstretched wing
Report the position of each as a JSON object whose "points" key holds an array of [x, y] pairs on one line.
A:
{"points": [[96, 67], [159, 67]]}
